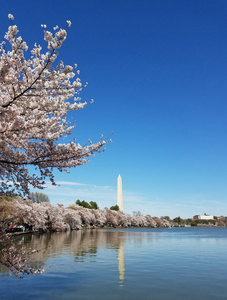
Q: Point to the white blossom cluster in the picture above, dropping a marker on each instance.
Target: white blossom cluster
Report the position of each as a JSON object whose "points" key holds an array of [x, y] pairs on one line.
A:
{"points": [[43, 216], [35, 98]]}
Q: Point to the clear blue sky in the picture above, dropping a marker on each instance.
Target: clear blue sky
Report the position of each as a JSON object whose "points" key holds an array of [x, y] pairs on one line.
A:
{"points": [[157, 71]]}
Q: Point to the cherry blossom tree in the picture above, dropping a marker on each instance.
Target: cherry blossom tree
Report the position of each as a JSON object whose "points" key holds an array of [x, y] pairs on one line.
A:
{"points": [[87, 217], [150, 221], [37, 91], [112, 217], [72, 218], [100, 217], [43, 216], [124, 220]]}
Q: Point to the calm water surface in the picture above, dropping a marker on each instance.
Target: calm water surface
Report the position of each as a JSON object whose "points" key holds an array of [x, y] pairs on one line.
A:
{"points": [[175, 263]]}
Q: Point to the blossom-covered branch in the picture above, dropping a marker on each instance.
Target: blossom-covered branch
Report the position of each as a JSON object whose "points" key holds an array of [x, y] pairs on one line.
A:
{"points": [[35, 98], [15, 259]]}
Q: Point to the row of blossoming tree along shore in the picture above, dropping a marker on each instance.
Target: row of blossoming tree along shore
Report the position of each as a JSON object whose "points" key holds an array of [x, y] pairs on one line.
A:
{"points": [[44, 216]]}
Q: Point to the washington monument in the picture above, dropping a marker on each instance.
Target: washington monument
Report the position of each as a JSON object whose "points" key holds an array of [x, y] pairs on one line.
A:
{"points": [[119, 193]]}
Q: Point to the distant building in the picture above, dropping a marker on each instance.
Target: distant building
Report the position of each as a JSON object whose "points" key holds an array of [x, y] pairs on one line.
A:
{"points": [[203, 217]]}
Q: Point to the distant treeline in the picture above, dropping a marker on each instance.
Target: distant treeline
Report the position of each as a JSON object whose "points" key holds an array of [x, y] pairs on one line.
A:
{"points": [[220, 222]]}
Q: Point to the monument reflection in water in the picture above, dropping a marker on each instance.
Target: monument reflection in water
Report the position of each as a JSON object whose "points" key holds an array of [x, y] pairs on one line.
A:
{"points": [[121, 266]]}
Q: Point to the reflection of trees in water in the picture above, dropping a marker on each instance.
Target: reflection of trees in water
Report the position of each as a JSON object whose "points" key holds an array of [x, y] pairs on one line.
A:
{"points": [[16, 262], [79, 243], [89, 252]]}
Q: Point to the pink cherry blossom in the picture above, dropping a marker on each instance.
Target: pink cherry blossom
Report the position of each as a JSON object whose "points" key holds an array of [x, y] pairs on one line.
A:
{"points": [[35, 98]]}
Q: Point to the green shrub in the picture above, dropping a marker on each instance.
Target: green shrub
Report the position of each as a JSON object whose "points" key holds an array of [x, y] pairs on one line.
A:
{"points": [[115, 207]]}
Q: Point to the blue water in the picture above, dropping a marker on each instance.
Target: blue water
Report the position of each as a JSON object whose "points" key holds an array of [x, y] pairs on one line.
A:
{"points": [[172, 264]]}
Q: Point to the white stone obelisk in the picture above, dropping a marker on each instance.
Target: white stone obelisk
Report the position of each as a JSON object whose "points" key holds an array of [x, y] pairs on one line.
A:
{"points": [[119, 193]]}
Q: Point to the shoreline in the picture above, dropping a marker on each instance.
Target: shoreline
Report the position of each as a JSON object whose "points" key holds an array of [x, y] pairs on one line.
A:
{"points": [[110, 228]]}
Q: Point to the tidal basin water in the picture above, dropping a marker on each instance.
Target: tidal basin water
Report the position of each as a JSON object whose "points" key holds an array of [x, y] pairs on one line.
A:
{"points": [[172, 264]]}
